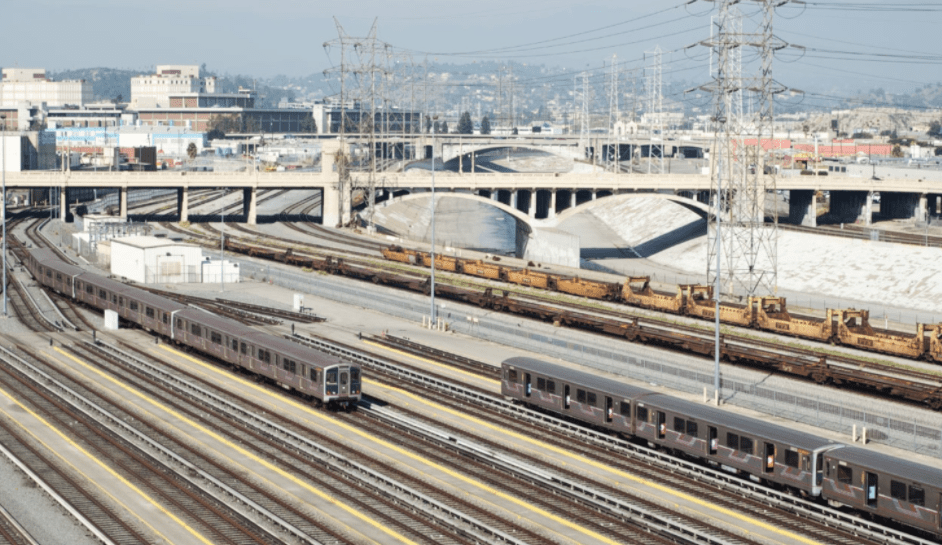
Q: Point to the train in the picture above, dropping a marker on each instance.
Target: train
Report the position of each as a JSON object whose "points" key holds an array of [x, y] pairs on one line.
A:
{"points": [[850, 327], [324, 379], [874, 484]]}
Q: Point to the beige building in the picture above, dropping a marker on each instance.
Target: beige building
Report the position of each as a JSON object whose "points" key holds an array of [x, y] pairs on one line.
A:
{"points": [[30, 85], [155, 90]]}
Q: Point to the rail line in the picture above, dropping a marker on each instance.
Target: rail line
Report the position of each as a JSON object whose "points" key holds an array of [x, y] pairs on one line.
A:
{"points": [[825, 524]]}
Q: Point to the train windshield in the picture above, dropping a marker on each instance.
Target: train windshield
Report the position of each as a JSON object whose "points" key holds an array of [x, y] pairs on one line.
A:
{"points": [[331, 381]]}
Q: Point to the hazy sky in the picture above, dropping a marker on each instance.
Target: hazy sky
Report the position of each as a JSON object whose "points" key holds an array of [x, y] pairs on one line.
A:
{"points": [[287, 36]]}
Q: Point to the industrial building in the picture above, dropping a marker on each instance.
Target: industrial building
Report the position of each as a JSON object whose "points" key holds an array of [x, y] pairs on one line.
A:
{"points": [[28, 150], [148, 259], [31, 86], [154, 90]]}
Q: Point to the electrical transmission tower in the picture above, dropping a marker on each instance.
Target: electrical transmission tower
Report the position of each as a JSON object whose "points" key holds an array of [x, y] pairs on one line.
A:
{"points": [[742, 245], [586, 126], [613, 145], [362, 73], [655, 112]]}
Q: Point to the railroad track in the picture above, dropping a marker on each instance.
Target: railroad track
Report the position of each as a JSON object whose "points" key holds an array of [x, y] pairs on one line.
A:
{"points": [[378, 488], [826, 525], [859, 232], [12, 532]]}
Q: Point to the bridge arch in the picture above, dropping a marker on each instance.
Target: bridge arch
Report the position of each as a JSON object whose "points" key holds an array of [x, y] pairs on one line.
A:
{"points": [[697, 207], [523, 219]]}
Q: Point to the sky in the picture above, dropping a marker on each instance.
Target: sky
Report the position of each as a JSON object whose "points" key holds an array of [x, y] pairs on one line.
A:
{"points": [[849, 45]]}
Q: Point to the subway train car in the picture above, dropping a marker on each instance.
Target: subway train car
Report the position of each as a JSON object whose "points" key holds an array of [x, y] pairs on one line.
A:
{"points": [[327, 379], [888, 487], [872, 483]]}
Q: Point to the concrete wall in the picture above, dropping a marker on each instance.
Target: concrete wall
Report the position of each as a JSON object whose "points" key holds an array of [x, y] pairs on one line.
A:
{"points": [[549, 246]]}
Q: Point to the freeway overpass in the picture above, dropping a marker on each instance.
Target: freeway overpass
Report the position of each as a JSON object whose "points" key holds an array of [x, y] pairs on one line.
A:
{"points": [[539, 195]]}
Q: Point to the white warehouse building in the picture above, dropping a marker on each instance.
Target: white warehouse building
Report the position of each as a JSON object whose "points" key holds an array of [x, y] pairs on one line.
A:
{"points": [[30, 85], [149, 260]]}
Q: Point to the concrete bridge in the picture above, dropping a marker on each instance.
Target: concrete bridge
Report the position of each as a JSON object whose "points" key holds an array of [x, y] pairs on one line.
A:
{"points": [[537, 195]]}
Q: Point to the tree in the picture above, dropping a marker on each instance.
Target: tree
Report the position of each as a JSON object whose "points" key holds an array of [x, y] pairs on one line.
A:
{"points": [[485, 125], [465, 126], [444, 127], [897, 151], [191, 150], [308, 125]]}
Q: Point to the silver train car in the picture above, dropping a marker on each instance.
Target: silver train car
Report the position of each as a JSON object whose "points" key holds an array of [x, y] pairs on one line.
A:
{"points": [[326, 379], [874, 484]]}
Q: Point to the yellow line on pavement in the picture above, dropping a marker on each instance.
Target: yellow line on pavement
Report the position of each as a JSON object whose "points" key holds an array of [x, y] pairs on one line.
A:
{"points": [[261, 461]]}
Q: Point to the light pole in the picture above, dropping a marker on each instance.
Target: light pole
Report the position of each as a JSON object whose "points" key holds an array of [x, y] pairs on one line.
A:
{"points": [[432, 253], [222, 247], [3, 132]]}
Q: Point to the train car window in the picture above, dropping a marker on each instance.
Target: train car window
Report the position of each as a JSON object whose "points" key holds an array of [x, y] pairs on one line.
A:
{"points": [[132, 305], [642, 414], [845, 475], [120, 301], [898, 490], [235, 344], [332, 376], [49, 273], [580, 396], [732, 441], [90, 289], [541, 384], [343, 379], [180, 324], [40, 269], [590, 399], [166, 318], [103, 294], [746, 445], [149, 312], [692, 428], [313, 374], [78, 285], [244, 349], [917, 496], [512, 375], [114, 298], [215, 338], [58, 277], [293, 369], [195, 329], [679, 425], [625, 409], [264, 355], [551, 386], [791, 458]]}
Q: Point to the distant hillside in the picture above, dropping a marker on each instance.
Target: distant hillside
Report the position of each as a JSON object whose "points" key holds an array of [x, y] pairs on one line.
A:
{"points": [[109, 83]]}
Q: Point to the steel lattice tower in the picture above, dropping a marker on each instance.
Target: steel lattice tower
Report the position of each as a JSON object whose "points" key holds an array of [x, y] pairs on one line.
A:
{"points": [[655, 110], [743, 189]]}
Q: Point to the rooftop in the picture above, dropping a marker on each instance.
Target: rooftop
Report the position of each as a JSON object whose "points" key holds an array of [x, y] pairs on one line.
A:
{"points": [[145, 242]]}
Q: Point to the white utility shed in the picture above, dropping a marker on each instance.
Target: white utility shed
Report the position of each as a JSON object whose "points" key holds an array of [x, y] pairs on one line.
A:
{"points": [[150, 260]]}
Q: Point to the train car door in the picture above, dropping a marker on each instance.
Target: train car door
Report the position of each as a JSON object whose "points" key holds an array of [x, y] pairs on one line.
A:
{"points": [[769, 458], [661, 425], [609, 409], [345, 382], [566, 397], [713, 439], [870, 486], [527, 384]]}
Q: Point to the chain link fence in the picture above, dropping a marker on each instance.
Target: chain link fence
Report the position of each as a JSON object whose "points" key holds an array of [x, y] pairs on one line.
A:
{"points": [[886, 422]]}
